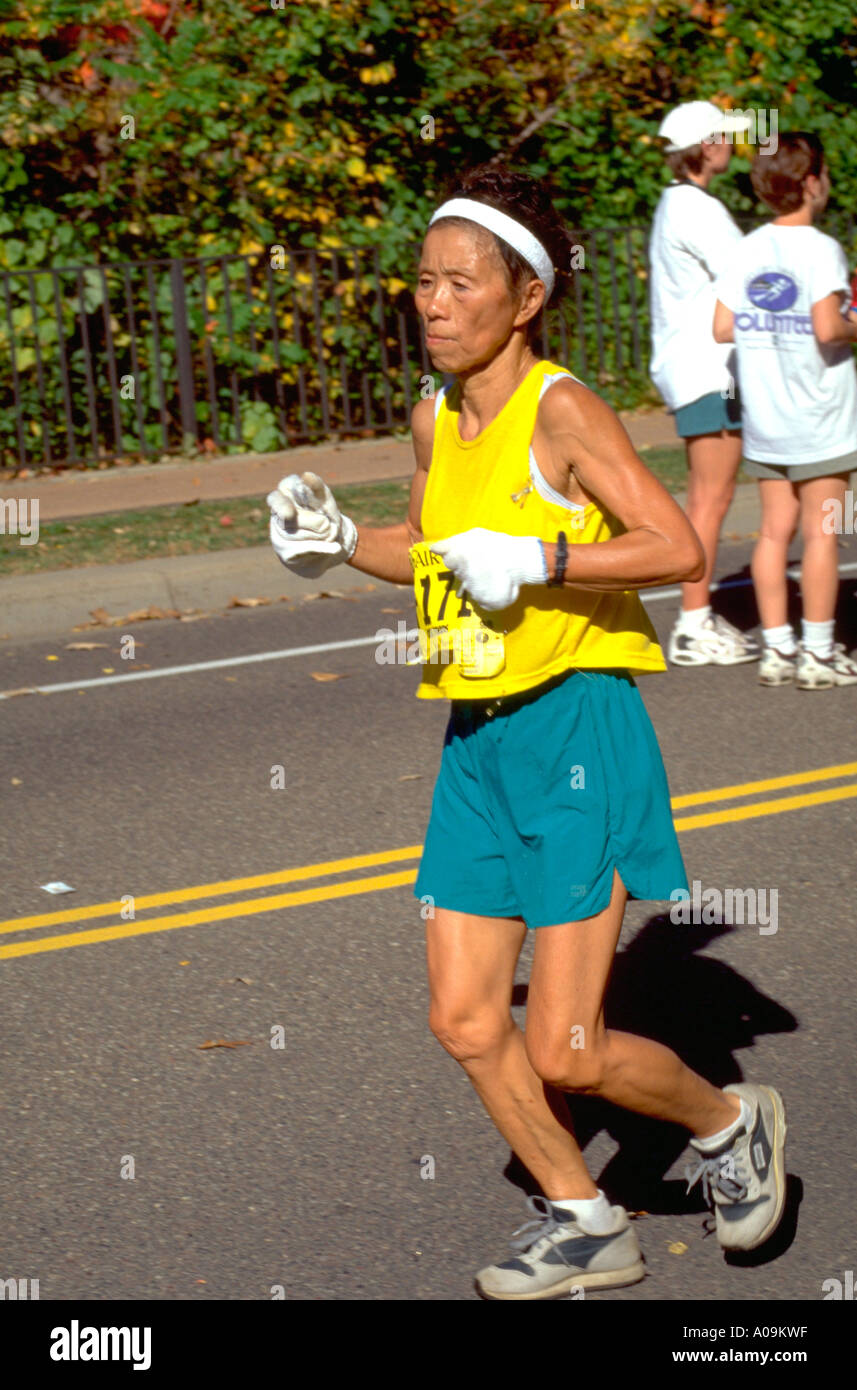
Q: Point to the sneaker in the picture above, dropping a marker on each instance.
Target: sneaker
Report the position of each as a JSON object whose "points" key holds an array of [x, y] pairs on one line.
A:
{"points": [[821, 672], [745, 1180], [776, 667], [714, 643], [554, 1254]]}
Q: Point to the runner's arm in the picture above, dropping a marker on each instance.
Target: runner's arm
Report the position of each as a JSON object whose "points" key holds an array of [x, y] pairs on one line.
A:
{"points": [[660, 546], [383, 550], [828, 325]]}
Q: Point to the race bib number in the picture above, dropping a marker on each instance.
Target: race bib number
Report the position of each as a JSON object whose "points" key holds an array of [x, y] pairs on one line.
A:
{"points": [[451, 632]]}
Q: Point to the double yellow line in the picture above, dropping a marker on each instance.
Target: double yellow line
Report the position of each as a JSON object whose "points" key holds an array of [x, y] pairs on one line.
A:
{"points": [[374, 882]]}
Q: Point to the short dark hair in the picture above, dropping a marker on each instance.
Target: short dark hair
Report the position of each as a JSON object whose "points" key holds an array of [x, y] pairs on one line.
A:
{"points": [[684, 162], [778, 178], [529, 202]]}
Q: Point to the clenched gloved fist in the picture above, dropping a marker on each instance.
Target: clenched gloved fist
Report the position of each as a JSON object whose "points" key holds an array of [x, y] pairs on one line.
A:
{"points": [[308, 531], [491, 567]]}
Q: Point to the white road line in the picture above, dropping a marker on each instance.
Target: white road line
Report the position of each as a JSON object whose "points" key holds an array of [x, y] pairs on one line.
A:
{"points": [[196, 666], [650, 596]]}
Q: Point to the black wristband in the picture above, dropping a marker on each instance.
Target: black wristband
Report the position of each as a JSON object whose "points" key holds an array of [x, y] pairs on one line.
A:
{"points": [[560, 561]]}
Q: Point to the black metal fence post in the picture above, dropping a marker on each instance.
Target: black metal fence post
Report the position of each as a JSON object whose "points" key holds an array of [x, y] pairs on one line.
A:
{"points": [[184, 360]]}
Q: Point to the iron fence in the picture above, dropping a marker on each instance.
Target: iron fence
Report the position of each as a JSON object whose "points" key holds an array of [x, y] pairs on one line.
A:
{"points": [[249, 353]]}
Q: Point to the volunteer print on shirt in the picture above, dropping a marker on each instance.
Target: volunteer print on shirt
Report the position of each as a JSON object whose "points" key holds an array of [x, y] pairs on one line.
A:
{"points": [[798, 396]]}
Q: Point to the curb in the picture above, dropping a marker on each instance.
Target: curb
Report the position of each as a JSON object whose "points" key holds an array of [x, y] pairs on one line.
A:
{"points": [[41, 605]]}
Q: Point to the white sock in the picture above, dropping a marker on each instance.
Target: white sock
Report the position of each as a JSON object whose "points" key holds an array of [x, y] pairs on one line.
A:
{"points": [[714, 1141], [691, 619], [594, 1213], [818, 637], [782, 638]]}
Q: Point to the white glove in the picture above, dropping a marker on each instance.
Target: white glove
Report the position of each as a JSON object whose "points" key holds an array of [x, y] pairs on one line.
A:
{"points": [[491, 566], [307, 530]]}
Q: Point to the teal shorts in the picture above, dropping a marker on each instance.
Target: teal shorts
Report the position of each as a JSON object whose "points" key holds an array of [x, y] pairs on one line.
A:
{"points": [[539, 799], [709, 415]]}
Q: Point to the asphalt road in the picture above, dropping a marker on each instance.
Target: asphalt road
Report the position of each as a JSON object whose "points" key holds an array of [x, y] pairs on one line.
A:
{"points": [[300, 1165]]}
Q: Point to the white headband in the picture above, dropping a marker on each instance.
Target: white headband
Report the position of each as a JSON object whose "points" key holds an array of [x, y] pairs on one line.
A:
{"points": [[512, 232]]}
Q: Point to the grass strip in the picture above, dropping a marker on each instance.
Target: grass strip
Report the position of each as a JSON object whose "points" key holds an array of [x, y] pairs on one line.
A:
{"points": [[193, 528]]}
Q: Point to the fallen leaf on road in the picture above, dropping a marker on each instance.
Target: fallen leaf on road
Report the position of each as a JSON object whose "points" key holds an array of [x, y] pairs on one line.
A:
{"points": [[51, 658], [142, 615], [194, 501], [108, 670], [83, 646], [192, 617], [326, 676], [324, 593], [247, 602], [16, 782], [411, 777], [678, 1247], [222, 1042], [392, 610], [101, 616]]}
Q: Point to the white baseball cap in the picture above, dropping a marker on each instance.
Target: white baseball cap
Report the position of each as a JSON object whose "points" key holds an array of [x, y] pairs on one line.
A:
{"points": [[694, 121]]}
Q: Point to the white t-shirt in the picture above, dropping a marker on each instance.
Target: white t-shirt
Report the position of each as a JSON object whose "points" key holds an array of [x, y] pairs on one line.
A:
{"points": [[798, 397], [692, 242]]}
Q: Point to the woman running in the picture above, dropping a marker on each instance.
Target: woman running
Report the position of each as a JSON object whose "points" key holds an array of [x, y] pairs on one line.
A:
{"points": [[531, 523]]}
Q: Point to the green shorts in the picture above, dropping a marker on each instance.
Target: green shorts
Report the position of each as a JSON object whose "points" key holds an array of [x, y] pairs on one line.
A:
{"points": [[539, 799], [709, 415]]}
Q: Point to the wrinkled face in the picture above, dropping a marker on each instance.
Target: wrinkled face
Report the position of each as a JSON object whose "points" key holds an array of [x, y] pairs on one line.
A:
{"points": [[463, 297]]}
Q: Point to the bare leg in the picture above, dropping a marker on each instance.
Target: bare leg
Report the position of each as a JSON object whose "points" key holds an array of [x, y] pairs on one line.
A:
{"points": [[570, 971], [713, 461], [780, 512], [819, 578], [471, 970], [471, 962]]}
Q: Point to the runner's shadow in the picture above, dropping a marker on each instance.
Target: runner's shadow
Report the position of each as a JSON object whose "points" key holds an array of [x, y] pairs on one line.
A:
{"points": [[701, 1009]]}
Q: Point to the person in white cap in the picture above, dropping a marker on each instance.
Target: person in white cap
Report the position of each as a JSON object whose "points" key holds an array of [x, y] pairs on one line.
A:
{"points": [[692, 242]]}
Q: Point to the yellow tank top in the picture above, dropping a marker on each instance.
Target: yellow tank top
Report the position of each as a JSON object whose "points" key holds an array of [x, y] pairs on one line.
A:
{"points": [[493, 481]]}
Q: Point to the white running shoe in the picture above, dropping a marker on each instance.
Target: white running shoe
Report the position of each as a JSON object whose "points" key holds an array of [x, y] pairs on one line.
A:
{"points": [[714, 643], [553, 1254], [820, 673], [745, 1179], [777, 668]]}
